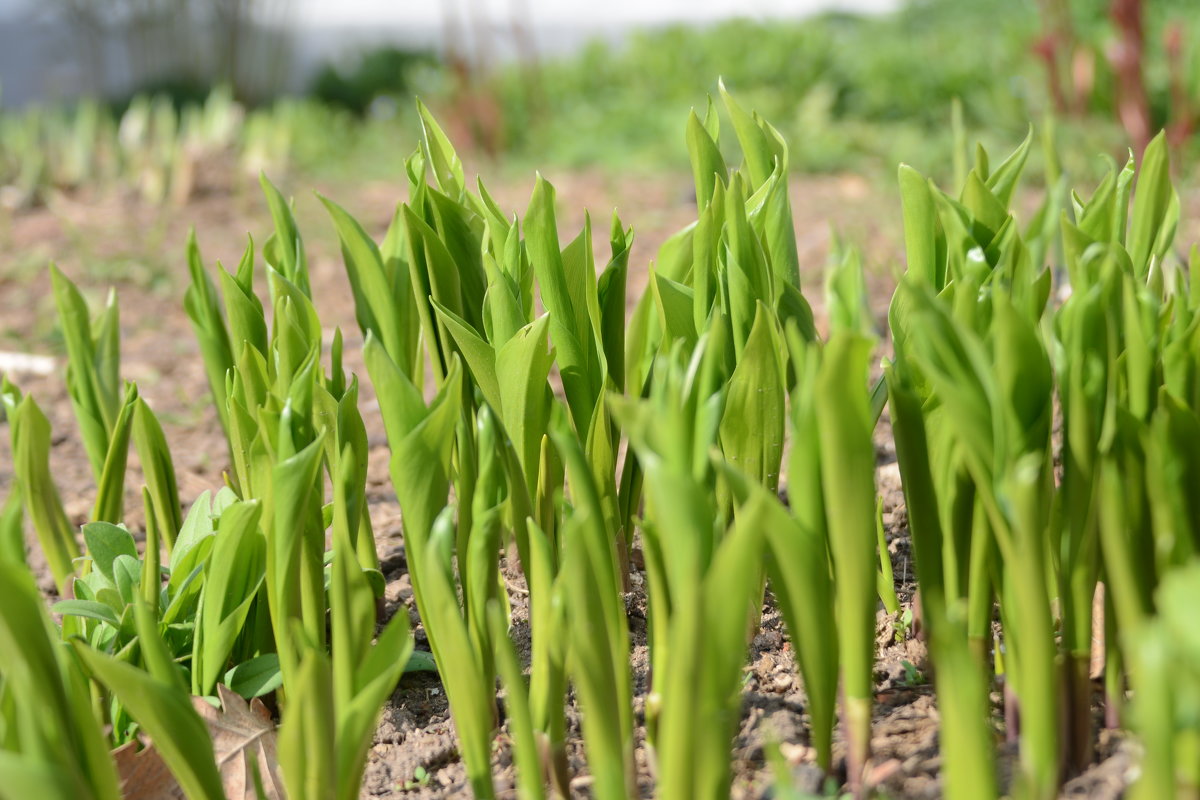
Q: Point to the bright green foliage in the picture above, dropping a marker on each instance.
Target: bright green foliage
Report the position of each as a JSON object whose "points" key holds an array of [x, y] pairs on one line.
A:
{"points": [[597, 632], [249, 589], [558, 438], [979, 366], [334, 701], [1164, 659], [110, 489], [966, 738], [56, 746], [751, 430], [29, 431], [383, 291], [520, 718], [672, 432], [847, 458], [200, 302], [93, 371], [12, 532], [234, 571], [93, 382], [467, 682], [284, 250], [159, 470], [157, 698], [151, 148]]}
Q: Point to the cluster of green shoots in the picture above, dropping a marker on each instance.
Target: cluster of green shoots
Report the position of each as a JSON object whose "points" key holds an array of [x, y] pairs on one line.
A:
{"points": [[240, 597], [151, 148], [1048, 454], [539, 434]]}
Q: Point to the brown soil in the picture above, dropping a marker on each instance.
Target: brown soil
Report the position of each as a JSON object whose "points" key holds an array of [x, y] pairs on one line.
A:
{"points": [[105, 241]]}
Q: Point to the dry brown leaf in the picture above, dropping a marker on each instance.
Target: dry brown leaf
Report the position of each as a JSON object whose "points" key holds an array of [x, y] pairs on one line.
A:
{"points": [[243, 735], [143, 774]]}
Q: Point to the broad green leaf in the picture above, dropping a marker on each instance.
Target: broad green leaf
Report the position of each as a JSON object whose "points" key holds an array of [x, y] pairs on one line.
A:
{"points": [[1151, 202], [110, 489], [610, 290], [708, 166], [200, 302], [24, 776], [127, 576], [374, 298], [920, 228], [746, 270], [255, 677], [988, 213], [306, 759], [422, 440], [434, 275], [159, 470], [39, 495], [454, 225], [479, 356], [197, 525], [469, 689], [233, 574], [95, 408], [756, 149], [49, 697], [89, 609], [579, 267], [522, 367], [598, 662], [1003, 180], [351, 601], [12, 529], [447, 168], [356, 723], [284, 250], [573, 345], [295, 544], [848, 478], [674, 302], [516, 708], [247, 324], [752, 427], [779, 233], [105, 542], [732, 593]]}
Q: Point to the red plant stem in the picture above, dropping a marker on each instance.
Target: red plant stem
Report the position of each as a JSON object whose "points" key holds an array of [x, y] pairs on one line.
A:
{"points": [[1012, 716], [1183, 121], [1133, 108]]}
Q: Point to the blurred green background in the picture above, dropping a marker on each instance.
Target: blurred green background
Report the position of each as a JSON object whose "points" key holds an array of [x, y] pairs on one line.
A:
{"points": [[850, 92]]}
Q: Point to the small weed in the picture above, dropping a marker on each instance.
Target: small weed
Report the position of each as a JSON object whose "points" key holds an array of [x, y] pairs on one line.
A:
{"points": [[904, 623], [913, 677], [420, 779]]}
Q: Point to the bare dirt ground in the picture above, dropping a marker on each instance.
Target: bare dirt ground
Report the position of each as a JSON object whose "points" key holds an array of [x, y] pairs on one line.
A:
{"points": [[138, 250]]}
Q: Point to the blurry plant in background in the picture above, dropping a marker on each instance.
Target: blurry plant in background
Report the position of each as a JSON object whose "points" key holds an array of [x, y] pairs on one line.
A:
{"points": [[381, 74], [149, 150], [1134, 60], [850, 87], [180, 47], [835, 81]]}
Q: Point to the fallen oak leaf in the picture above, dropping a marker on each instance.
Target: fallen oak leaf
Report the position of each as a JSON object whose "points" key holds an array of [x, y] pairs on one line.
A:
{"points": [[243, 737], [144, 775]]}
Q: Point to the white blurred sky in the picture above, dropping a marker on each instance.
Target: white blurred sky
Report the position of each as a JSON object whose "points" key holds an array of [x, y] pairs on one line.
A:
{"points": [[39, 59], [566, 12], [574, 13]]}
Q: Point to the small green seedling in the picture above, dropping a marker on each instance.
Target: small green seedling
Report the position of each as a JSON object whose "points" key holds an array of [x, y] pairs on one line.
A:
{"points": [[420, 779]]}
